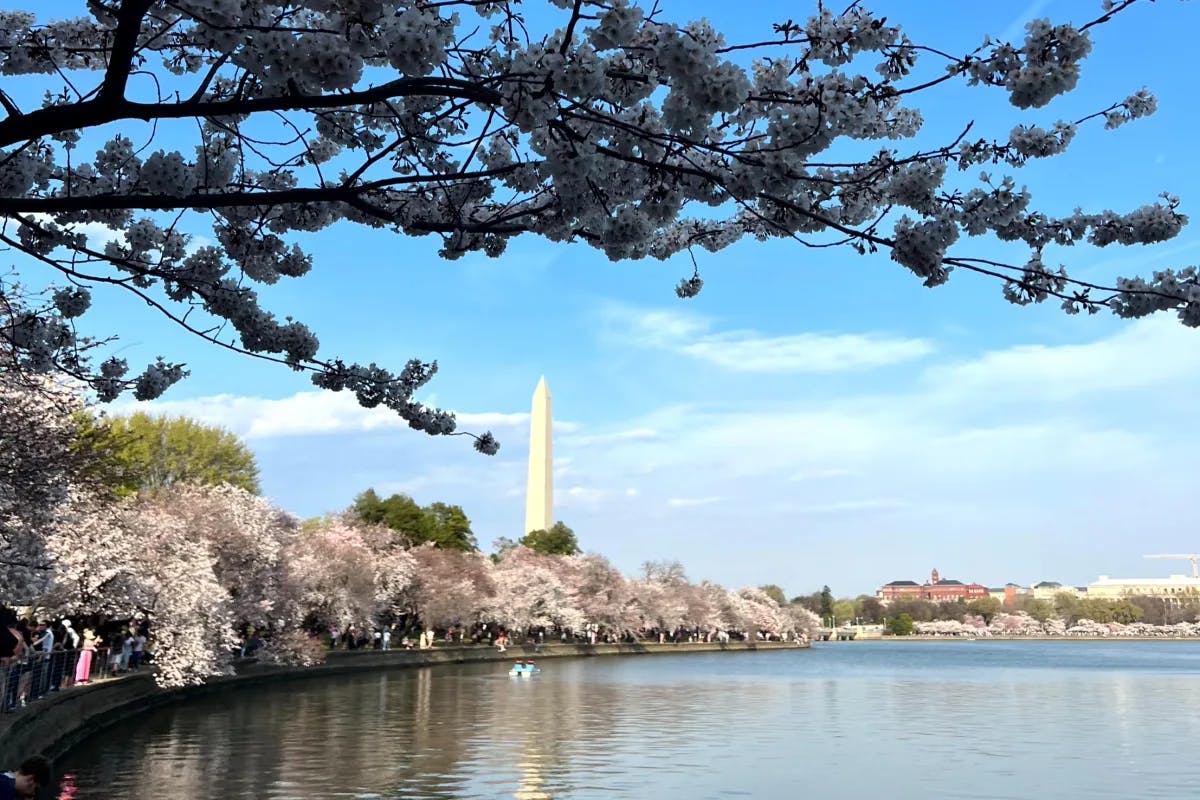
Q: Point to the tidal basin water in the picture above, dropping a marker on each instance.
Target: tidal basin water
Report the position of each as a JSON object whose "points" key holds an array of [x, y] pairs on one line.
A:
{"points": [[1069, 720]]}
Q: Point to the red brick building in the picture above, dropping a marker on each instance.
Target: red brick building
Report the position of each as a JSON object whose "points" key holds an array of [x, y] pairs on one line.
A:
{"points": [[937, 589]]}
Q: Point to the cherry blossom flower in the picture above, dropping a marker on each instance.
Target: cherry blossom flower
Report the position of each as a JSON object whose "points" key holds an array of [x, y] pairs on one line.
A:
{"points": [[602, 123]]}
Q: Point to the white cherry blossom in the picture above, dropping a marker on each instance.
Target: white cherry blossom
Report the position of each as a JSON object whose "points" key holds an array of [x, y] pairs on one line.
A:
{"points": [[598, 122]]}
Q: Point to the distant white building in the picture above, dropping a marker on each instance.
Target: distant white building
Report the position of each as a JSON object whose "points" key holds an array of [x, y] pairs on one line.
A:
{"points": [[1048, 590], [1175, 588]]}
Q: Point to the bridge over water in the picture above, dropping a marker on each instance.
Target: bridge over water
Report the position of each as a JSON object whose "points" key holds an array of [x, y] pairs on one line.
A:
{"points": [[850, 633]]}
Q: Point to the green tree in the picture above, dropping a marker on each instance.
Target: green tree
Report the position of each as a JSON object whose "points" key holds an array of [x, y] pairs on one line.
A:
{"points": [[918, 610], [144, 453], [502, 547], [826, 609], [1125, 612], [558, 541], [1066, 605], [870, 609], [986, 607], [845, 610], [445, 526], [951, 609], [810, 601], [900, 625], [449, 528], [1041, 610], [775, 592], [1100, 610]]}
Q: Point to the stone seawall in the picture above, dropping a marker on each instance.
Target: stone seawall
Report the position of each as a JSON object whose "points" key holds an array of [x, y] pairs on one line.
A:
{"points": [[62, 719]]}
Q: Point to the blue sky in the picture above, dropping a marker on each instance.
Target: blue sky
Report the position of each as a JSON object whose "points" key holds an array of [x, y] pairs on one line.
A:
{"points": [[813, 416]]}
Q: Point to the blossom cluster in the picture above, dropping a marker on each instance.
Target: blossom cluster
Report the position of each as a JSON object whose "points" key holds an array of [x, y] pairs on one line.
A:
{"points": [[202, 563], [1020, 623], [609, 125]]}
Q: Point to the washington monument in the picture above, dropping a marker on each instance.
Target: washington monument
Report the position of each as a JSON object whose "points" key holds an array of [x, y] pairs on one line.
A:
{"points": [[539, 494]]}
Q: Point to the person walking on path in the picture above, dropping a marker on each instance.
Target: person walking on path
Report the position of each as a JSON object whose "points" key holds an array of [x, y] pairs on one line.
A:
{"points": [[139, 649], [83, 667], [43, 645], [69, 655], [127, 651]]}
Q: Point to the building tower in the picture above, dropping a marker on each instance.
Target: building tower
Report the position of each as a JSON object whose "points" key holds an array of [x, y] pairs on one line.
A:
{"points": [[934, 577], [539, 493]]}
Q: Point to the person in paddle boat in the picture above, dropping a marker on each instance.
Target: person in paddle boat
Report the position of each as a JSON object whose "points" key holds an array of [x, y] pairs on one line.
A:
{"points": [[517, 668]]}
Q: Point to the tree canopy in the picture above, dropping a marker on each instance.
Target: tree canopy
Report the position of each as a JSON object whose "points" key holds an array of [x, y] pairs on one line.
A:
{"points": [[606, 123], [146, 453], [440, 524], [826, 603], [900, 625], [775, 592], [559, 540]]}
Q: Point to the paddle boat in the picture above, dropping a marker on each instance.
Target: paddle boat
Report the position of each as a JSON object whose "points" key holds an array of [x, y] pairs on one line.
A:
{"points": [[523, 669]]}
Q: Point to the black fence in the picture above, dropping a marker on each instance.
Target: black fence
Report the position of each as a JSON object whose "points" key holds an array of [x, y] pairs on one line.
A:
{"points": [[27, 680]]}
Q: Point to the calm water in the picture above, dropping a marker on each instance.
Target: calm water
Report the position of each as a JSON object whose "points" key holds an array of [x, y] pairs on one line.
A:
{"points": [[1069, 720]]}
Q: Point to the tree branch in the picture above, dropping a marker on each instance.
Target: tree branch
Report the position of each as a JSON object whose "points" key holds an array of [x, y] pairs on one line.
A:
{"points": [[101, 111], [124, 47], [236, 199]]}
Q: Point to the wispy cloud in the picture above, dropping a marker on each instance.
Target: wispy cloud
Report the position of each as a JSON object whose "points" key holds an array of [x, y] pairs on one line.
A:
{"points": [[1015, 30], [821, 474], [868, 506], [1138, 356], [691, 502], [983, 463], [307, 413], [751, 351], [574, 496], [630, 435]]}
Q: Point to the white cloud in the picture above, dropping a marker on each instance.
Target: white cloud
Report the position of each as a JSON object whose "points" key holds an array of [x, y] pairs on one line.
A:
{"points": [[1139, 356], [306, 413], [691, 502], [575, 496], [754, 352], [871, 505], [98, 235], [631, 435], [822, 474], [1018, 463]]}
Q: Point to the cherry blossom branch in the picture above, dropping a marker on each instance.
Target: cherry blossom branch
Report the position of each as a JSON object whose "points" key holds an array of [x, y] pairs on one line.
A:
{"points": [[104, 109]]}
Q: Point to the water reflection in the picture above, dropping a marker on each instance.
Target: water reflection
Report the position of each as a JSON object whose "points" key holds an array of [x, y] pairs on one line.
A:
{"points": [[841, 721]]}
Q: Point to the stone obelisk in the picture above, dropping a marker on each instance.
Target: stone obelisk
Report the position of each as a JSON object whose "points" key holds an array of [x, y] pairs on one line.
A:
{"points": [[539, 494]]}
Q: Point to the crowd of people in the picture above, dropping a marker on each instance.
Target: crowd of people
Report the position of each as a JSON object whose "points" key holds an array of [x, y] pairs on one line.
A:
{"points": [[386, 637], [41, 657]]}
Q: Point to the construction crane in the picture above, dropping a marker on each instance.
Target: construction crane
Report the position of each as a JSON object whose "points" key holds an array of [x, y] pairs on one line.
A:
{"points": [[1192, 557]]}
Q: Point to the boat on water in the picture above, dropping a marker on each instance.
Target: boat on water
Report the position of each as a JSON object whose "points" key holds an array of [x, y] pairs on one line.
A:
{"points": [[523, 669]]}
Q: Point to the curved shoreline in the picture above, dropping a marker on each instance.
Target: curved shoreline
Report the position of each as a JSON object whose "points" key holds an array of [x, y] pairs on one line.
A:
{"points": [[61, 720]]}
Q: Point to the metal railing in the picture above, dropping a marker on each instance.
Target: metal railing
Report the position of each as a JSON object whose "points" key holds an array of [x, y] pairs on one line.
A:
{"points": [[29, 679]]}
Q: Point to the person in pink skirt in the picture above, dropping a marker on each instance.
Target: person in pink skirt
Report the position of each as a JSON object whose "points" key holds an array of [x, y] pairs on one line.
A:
{"points": [[83, 670]]}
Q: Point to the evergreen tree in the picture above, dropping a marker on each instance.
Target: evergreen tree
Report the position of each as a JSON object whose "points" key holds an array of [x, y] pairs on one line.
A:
{"points": [[446, 526], [559, 540], [826, 609]]}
